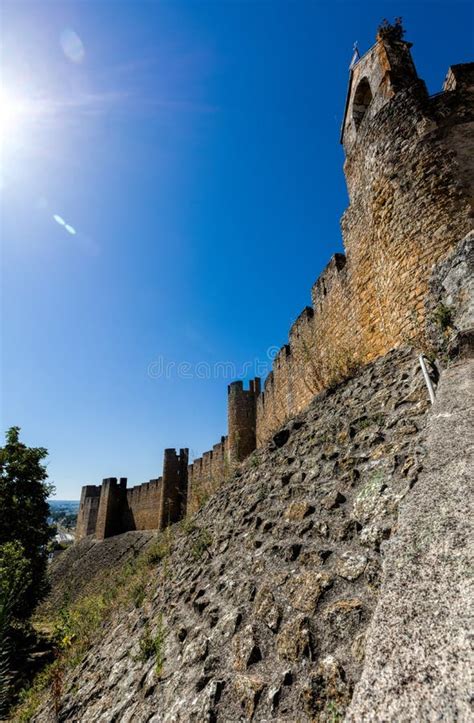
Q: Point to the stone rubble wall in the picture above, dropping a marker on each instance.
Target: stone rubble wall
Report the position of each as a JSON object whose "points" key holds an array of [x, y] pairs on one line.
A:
{"points": [[418, 656], [309, 586], [419, 652], [450, 303], [79, 570], [265, 599]]}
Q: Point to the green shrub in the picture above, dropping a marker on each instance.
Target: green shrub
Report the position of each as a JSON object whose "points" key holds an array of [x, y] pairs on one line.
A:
{"points": [[76, 626], [14, 579], [159, 647], [201, 544], [254, 460], [79, 623], [138, 593], [333, 713], [158, 551], [443, 316], [188, 525], [24, 514], [30, 698]]}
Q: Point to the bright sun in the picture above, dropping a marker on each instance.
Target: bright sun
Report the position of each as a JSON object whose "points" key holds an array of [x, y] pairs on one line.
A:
{"points": [[13, 113]]}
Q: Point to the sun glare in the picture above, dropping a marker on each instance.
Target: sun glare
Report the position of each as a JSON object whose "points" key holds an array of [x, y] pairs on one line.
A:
{"points": [[13, 113], [11, 110]]}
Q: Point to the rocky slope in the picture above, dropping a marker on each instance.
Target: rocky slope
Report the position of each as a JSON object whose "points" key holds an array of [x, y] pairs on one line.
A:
{"points": [[262, 605], [420, 651], [419, 644], [80, 569]]}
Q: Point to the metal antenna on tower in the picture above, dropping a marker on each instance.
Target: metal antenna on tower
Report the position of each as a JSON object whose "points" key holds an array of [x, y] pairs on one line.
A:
{"points": [[355, 56]]}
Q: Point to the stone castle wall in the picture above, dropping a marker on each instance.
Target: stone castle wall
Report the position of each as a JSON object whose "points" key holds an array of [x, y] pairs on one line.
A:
{"points": [[410, 180], [111, 508], [206, 473], [143, 508]]}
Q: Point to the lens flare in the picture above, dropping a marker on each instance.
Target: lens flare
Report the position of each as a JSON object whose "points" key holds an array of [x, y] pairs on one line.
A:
{"points": [[72, 45], [70, 229]]}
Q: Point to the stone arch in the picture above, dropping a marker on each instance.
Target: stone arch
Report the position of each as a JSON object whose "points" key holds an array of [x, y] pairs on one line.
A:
{"points": [[362, 100]]}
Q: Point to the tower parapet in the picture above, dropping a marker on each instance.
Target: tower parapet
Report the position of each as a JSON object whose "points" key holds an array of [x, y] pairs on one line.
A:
{"points": [[386, 69]]}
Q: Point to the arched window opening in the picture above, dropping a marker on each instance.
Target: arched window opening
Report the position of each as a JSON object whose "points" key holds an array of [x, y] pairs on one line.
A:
{"points": [[361, 102]]}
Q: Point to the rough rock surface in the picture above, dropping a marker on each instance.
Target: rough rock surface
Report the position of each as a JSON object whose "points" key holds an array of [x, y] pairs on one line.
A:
{"points": [[78, 570], [266, 596], [450, 303], [419, 643]]}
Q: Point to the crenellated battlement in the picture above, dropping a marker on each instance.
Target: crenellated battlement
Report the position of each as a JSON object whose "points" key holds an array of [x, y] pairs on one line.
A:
{"points": [[301, 323], [332, 274], [409, 174], [110, 509]]}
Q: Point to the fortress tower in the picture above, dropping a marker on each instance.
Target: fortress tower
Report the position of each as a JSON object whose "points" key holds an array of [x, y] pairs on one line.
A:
{"points": [[410, 178], [174, 487], [241, 418], [88, 509], [206, 473], [113, 496], [410, 187]]}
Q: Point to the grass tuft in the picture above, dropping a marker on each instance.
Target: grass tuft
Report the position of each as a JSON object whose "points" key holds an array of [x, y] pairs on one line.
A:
{"points": [[201, 544], [152, 646]]}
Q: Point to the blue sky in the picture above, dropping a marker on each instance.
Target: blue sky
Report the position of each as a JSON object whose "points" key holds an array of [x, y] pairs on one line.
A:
{"points": [[192, 148]]}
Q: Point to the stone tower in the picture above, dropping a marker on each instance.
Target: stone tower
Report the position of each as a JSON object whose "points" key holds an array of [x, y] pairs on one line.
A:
{"points": [[382, 72], [410, 185], [410, 177], [242, 419], [174, 486], [113, 496], [88, 509]]}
